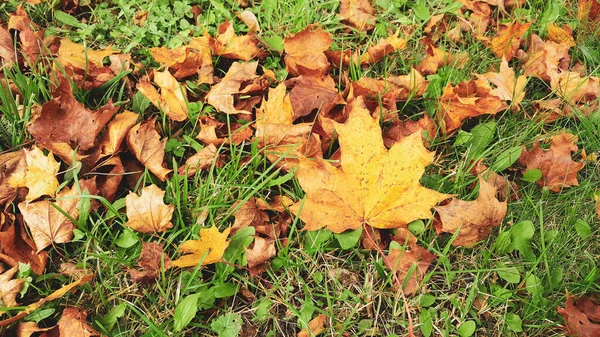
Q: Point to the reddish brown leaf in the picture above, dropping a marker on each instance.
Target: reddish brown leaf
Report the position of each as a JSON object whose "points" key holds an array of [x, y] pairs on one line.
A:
{"points": [[73, 323], [10, 163], [201, 160], [153, 261], [259, 253], [310, 93], [10, 288], [217, 133], [546, 59], [400, 129], [507, 190], [305, 52], [7, 48], [404, 257], [16, 246], [358, 14], [145, 144], [185, 61], [581, 317], [473, 219], [117, 131], [221, 95], [557, 167], [506, 44]]}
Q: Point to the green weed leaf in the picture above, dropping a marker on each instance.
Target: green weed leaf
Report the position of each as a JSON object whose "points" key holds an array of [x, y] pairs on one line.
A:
{"points": [[185, 311]]}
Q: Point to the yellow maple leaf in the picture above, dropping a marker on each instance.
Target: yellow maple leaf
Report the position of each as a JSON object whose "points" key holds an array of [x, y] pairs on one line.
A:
{"points": [[208, 249], [148, 213], [374, 186], [40, 175]]}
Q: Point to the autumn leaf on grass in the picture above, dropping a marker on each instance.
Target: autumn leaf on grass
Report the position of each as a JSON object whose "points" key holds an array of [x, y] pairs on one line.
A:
{"points": [[116, 132], [310, 93], [201, 160], [185, 61], [231, 46], [581, 317], [7, 51], [148, 213], [10, 288], [72, 323], [467, 99], [562, 34], [506, 44], [209, 248], [574, 88], [172, 99], [16, 247], [217, 133], [508, 86], [316, 326], [46, 223], [221, 95], [153, 261], [11, 163], [473, 219], [383, 47], [40, 175], [436, 58], [305, 52], [278, 135], [144, 142], [400, 129], [64, 119], [358, 14], [545, 59], [404, 253], [557, 167], [373, 187]]}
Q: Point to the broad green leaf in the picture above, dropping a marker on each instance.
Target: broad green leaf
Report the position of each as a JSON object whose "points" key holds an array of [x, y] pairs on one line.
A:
{"points": [[467, 329], [127, 239], [532, 175], [274, 42], [68, 19], [109, 320], [426, 300], [482, 136], [225, 289], [583, 229], [506, 159], [228, 325], [422, 12], [510, 275], [426, 323], [463, 137], [514, 322], [534, 286], [348, 239], [416, 227], [262, 312], [185, 311], [235, 252], [518, 237]]}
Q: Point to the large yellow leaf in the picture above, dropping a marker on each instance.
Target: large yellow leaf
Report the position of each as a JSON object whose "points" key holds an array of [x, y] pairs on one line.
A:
{"points": [[40, 176], [208, 249], [374, 186], [148, 213]]}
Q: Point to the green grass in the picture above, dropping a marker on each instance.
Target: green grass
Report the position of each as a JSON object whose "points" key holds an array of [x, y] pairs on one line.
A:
{"points": [[505, 282]]}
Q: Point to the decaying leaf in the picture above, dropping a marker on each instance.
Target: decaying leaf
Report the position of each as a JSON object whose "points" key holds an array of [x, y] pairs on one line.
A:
{"points": [[399, 129], [562, 34], [185, 61], [217, 133], [508, 87], [506, 44], [153, 261], [40, 175], [229, 45], [581, 317], [546, 59], [374, 186], [117, 130], [473, 219], [316, 326], [144, 142], [558, 169], [10, 287], [10, 163], [47, 224], [208, 249], [305, 52], [172, 99], [221, 95], [259, 253], [311, 93], [148, 212], [358, 14], [403, 258], [73, 323], [201, 160], [16, 246]]}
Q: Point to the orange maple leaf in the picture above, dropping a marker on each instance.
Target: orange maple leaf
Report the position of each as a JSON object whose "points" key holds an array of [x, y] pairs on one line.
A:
{"points": [[374, 186], [148, 213], [208, 249]]}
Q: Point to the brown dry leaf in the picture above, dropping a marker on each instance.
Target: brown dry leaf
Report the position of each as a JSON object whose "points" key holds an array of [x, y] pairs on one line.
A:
{"points": [[557, 167], [400, 130], [116, 132], [71, 270], [10, 288], [390, 89], [508, 86], [185, 61], [40, 175], [229, 45], [64, 119], [172, 99], [250, 20], [7, 50], [276, 132], [33, 44], [358, 14], [436, 58], [148, 212], [581, 317], [55, 295], [588, 10], [316, 326], [560, 35], [10, 163], [208, 249], [507, 190], [46, 223], [26, 329], [382, 48], [73, 323], [373, 187], [221, 95], [403, 258], [310, 93], [261, 251], [305, 52], [144, 142], [545, 59], [248, 215], [153, 261], [201, 160], [573, 88], [506, 44], [78, 56], [473, 219], [16, 246], [217, 133], [468, 99]]}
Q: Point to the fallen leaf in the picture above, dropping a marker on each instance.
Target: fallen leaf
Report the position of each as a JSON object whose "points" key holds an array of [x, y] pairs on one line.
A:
{"points": [[221, 95], [507, 190], [229, 45], [26, 329], [217, 133], [311, 93], [473, 219], [467, 99], [116, 132], [305, 52], [248, 215], [402, 260], [10, 288], [148, 213], [40, 175], [73, 323], [257, 255], [581, 317], [78, 56], [46, 223], [545, 59], [16, 246], [11, 163], [7, 50], [208, 249], [144, 142], [557, 167], [374, 186], [153, 261], [64, 119], [201, 160], [562, 34], [506, 44], [71, 270], [249, 19], [508, 86], [316, 326], [358, 14], [425, 125], [172, 99], [436, 58], [382, 48], [186, 61], [573, 88]]}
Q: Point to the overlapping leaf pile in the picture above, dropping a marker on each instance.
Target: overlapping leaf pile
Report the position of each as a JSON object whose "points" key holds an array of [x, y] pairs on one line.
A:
{"points": [[371, 184]]}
